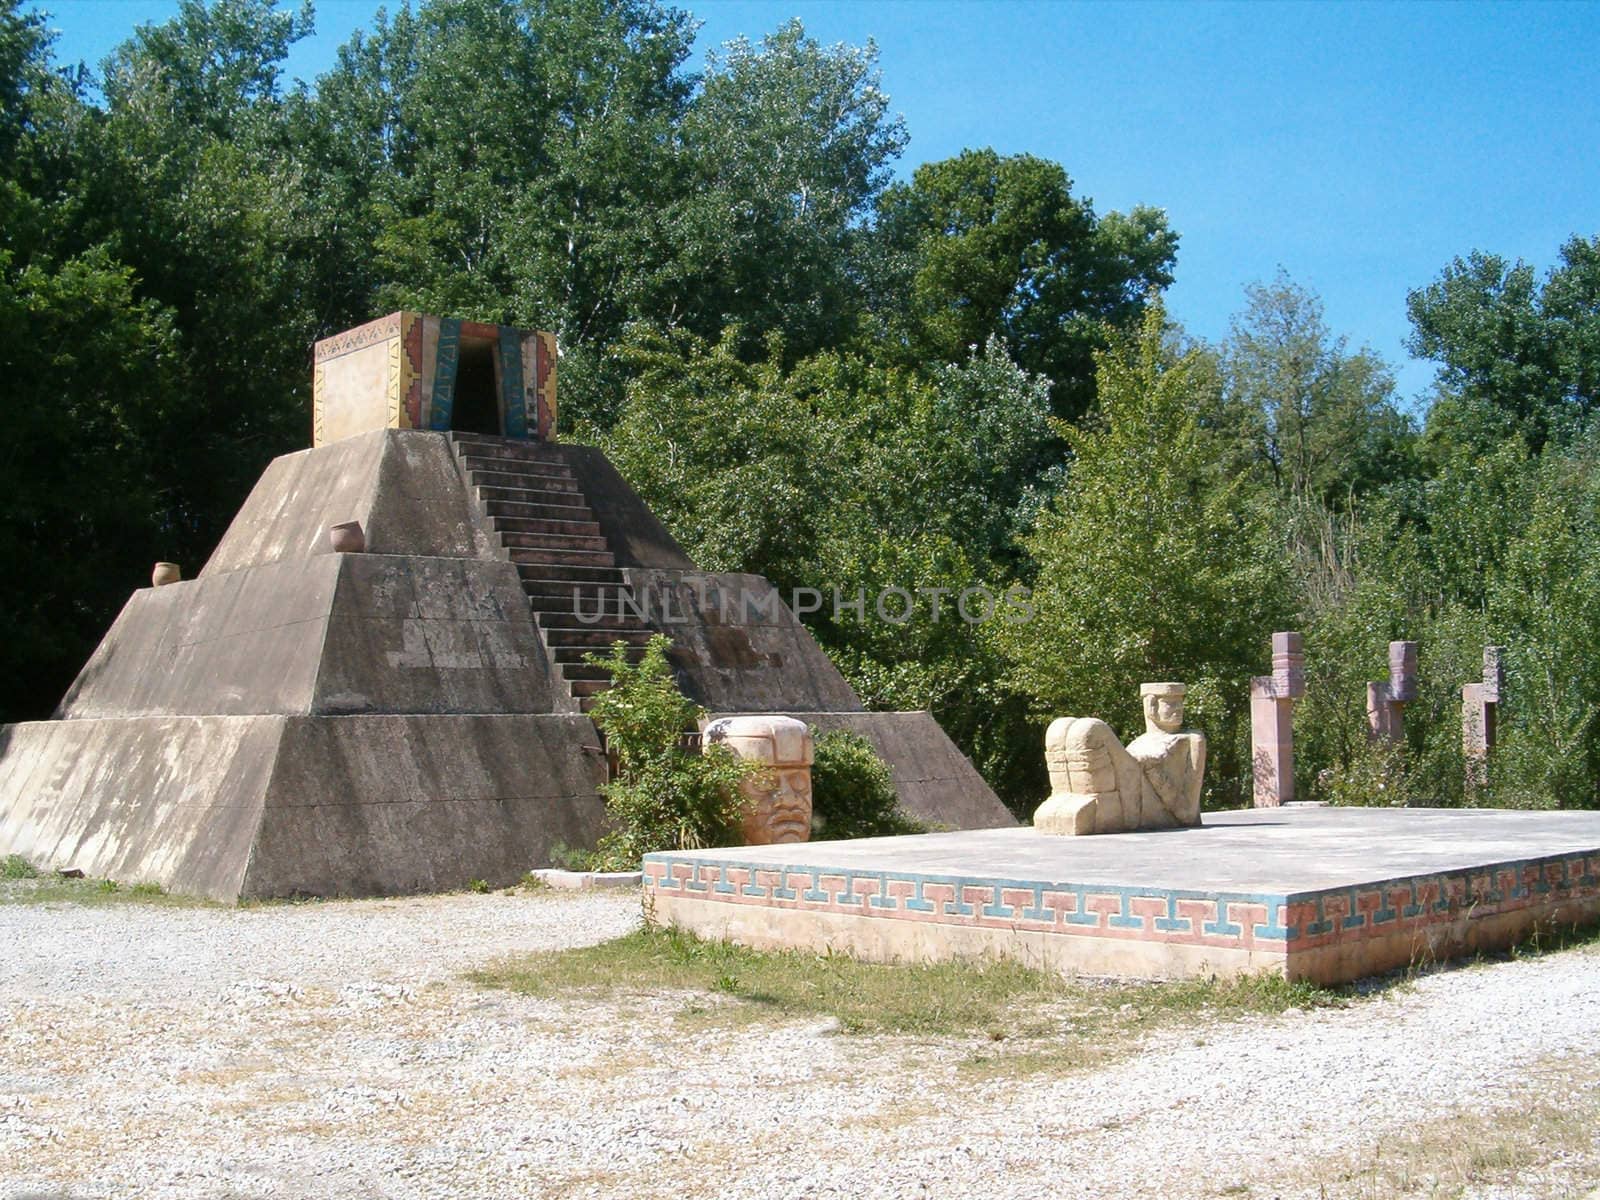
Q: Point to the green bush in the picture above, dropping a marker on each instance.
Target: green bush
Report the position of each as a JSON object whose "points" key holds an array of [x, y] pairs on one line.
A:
{"points": [[852, 795], [665, 796], [17, 867]]}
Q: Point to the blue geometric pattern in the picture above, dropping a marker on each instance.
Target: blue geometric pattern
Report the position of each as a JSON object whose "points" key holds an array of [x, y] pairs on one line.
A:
{"points": [[1360, 909], [959, 896], [441, 407], [511, 396]]}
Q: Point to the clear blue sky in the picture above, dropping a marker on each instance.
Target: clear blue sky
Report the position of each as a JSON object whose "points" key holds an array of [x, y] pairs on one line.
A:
{"points": [[1360, 146]]}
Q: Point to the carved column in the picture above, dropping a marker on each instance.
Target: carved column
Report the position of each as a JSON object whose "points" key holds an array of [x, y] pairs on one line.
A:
{"points": [[1386, 702], [1272, 700], [1478, 704]]}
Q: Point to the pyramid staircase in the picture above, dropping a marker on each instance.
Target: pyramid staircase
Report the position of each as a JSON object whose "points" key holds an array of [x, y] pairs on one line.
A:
{"points": [[547, 529]]}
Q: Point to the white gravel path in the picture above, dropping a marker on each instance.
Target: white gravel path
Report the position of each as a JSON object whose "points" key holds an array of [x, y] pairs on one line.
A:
{"points": [[333, 1050]]}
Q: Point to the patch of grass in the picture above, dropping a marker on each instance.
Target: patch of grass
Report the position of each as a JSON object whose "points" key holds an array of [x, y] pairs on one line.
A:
{"points": [[863, 997], [50, 888], [1542, 1141], [17, 867], [999, 1000], [478, 885]]}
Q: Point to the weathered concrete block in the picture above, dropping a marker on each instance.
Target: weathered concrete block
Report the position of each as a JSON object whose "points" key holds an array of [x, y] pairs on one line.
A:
{"points": [[333, 633], [268, 806], [405, 488]]}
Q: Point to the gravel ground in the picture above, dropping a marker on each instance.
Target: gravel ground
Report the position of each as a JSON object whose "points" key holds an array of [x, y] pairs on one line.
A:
{"points": [[333, 1050]]}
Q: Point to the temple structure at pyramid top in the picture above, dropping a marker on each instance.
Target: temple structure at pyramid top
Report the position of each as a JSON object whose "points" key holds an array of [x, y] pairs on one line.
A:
{"points": [[412, 371], [321, 712]]}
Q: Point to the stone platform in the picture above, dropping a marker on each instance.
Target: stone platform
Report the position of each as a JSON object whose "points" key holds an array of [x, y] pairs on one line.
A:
{"points": [[1324, 894]]}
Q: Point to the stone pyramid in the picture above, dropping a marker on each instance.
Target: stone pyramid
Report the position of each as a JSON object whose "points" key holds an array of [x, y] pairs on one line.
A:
{"points": [[296, 721]]}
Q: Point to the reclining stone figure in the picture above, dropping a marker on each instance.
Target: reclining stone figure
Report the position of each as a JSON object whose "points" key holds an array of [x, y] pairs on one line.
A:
{"points": [[1099, 786]]}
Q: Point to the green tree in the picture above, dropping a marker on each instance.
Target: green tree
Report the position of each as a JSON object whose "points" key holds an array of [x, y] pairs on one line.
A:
{"points": [[664, 796], [1153, 563], [1515, 355], [788, 145], [1321, 419], [505, 160], [90, 369], [984, 244], [189, 181]]}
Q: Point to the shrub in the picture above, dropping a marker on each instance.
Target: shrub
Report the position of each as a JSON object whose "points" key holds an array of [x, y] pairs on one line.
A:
{"points": [[664, 796], [852, 795], [17, 867]]}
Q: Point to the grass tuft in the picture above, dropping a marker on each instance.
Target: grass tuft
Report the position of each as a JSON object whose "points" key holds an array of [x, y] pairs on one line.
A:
{"points": [[41, 888], [17, 867], [998, 1000]]}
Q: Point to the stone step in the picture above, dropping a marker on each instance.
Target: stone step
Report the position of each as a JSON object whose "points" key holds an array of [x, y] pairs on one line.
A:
{"points": [[582, 688], [551, 541], [565, 488], [484, 458], [595, 638], [573, 671], [564, 528], [555, 573], [566, 558], [494, 476], [586, 615], [483, 445], [550, 596], [566, 655], [570, 508]]}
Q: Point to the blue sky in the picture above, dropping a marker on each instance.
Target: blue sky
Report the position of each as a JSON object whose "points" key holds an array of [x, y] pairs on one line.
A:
{"points": [[1358, 146]]}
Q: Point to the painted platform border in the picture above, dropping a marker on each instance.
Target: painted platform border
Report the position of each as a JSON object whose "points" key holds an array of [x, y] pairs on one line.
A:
{"points": [[1263, 922]]}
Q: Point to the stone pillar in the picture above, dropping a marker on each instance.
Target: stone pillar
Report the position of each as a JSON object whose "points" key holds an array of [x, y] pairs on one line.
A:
{"points": [[1272, 700], [1386, 702], [1478, 704]]}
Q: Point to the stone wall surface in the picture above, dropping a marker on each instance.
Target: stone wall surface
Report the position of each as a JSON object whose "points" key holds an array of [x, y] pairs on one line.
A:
{"points": [[405, 488], [737, 647], [242, 643], [432, 635], [168, 800], [332, 634], [380, 805], [270, 806]]}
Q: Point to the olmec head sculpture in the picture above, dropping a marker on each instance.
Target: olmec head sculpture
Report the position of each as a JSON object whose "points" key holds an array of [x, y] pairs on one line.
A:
{"points": [[1099, 786], [778, 797]]}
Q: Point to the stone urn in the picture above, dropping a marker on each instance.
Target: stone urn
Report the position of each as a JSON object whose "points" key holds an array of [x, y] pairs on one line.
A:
{"points": [[347, 537], [165, 573], [778, 798]]}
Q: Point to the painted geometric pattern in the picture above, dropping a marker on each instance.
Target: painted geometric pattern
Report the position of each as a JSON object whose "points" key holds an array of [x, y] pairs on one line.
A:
{"points": [[545, 382], [380, 330], [410, 414], [1090, 910], [1376, 909], [513, 398], [319, 384], [397, 382], [446, 359], [1277, 923]]}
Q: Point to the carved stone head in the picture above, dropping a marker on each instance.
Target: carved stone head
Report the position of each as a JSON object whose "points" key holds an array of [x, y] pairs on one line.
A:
{"points": [[1163, 706], [778, 798]]}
